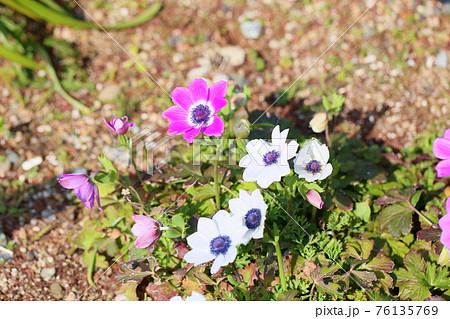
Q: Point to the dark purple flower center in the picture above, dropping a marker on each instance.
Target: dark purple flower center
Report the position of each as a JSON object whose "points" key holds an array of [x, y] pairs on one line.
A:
{"points": [[200, 114], [314, 167], [271, 158], [220, 245], [253, 218]]}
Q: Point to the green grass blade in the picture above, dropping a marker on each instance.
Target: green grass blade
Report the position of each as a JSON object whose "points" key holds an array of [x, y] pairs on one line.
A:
{"points": [[142, 18], [57, 85], [13, 4], [19, 58], [53, 5]]}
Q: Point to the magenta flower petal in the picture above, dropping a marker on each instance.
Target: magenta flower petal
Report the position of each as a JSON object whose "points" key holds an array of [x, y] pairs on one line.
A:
{"points": [[443, 168], [447, 206], [199, 90], [191, 134], [218, 90], [119, 125], [218, 103], [85, 193], [179, 127], [175, 113], [72, 181], [97, 197], [445, 238], [441, 148], [216, 128], [182, 97]]}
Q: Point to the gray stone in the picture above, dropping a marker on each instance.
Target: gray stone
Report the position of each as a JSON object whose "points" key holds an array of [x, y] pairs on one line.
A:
{"points": [[233, 55], [29, 164], [56, 291], [251, 29], [3, 239], [239, 79], [441, 59], [48, 273], [446, 8], [220, 77], [109, 93], [12, 157], [117, 154], [6, 254], [198, 72]]}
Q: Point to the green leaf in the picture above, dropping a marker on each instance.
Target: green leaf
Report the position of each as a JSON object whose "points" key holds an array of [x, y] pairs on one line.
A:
{"points": [[178, 221], [106, 162], [414, 291], [203, 192], [444, 257], [366, 277], [396, 219], [362, 210], [380, 263], [415, 198], [436, 277], [319, 274], [360, 249], [19, 58]]}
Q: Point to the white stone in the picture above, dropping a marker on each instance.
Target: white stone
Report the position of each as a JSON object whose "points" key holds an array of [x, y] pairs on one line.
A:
{"points": [[35, 161], [441, 59], [233, 55], [251, 29]]}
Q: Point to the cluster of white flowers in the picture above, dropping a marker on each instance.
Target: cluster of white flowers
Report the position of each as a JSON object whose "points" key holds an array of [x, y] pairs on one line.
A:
{"points": [[217, 238], [267, 162]]}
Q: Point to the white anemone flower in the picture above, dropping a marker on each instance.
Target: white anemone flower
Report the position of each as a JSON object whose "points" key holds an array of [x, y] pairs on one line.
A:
{"points": [[267, 162], [311, 161], [216, 239], [251, 209], [195, 296]]}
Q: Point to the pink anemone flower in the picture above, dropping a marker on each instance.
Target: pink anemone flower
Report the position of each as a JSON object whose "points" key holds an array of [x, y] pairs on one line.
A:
{"points": [[147, 230], [83, 188], [119, 125], [195, 110]]}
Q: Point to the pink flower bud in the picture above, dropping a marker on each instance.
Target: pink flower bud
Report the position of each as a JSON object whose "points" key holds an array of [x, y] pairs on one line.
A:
{"points": [[119, 125], [147, 230], [314, 198]]}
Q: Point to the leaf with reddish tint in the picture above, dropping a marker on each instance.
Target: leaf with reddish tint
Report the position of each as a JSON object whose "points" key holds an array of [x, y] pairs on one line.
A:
{"points": [[360, 248], [364, 277], [181, 249], [203, 278], [396, 219], [161, 292], [320, 274], [251, 271], [190, 285], [342, 201], [288, 295], [429, 234], [136, 269], [394, 195], [381, 263]]}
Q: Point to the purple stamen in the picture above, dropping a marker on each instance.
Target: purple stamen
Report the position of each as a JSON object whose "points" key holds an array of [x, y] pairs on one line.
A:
{"points": [[314, 167], [253, 218], [271, 158], [220, 245], [200, 114]]}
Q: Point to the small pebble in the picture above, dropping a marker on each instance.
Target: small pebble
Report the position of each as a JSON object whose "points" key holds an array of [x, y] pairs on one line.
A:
{"points": [[27, 165], [48, 273]]}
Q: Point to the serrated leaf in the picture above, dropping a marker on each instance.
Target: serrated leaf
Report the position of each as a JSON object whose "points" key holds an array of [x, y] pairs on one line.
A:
{"points": [[203, 193], [396, 219], [178, 221], [342, 201], [380, 263], [414, 262], [129, 290], [429, 234], [414, 292], [136, 269], [394, 195], [360, 248], [319, 274], [366, 277], [436, 277]]}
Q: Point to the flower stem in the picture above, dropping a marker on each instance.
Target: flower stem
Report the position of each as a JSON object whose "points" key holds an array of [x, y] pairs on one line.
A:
{"points": [[419, 213], [216, 177], [280, 262], [313, 214]]}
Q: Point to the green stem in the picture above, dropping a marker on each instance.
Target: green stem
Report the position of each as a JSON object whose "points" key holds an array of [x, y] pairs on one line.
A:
{"points": [[280, 263], [216, 177], [313, 214]]}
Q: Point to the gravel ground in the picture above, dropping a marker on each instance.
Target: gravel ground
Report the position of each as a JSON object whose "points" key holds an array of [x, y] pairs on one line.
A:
{"points": [[392, 66]]}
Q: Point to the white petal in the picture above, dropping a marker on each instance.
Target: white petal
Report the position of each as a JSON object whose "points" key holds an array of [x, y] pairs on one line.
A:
{"points": [[198, 241], [238, 206], [276, 133], [223, 221], [326, 171], [207, 227], [292, 149], [217, 263], [251, 174], [176, 298], [304, 156], [284, 169], [245, 161], [279, 138], [247, 236], [198, 257], [195, 296], [230, 255], [259, 233], [269, 175], [237, 230]]}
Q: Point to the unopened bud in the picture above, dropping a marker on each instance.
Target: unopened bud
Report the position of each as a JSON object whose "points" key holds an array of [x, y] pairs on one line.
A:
{"points": [[314, 198], [239, 100], [241, 129], [319, 122]]}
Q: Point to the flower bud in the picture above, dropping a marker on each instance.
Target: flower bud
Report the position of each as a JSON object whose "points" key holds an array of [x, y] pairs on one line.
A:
{"points": [[119, 125], [239, 100], [319, 122], [241, 129], [314, 198]]}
